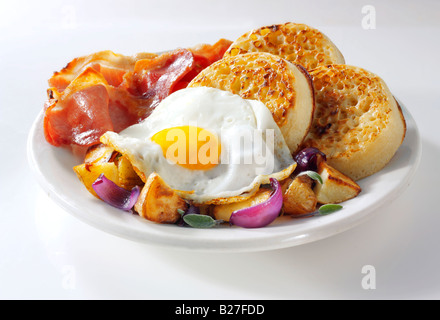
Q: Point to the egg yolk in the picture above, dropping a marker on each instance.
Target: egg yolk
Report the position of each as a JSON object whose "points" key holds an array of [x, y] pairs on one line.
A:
{"points": [[188, 146]]}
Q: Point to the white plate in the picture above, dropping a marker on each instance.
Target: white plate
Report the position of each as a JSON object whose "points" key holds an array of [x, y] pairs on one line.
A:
{"points": [[53, 168]]}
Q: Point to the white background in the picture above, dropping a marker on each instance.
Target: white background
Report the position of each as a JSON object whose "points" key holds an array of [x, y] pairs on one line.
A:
{"points": [[45, 253]]}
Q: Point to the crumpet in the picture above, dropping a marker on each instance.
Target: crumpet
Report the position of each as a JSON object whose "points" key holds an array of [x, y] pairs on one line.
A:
{"points": [[285, 88], [297, 43], [357, 123]]}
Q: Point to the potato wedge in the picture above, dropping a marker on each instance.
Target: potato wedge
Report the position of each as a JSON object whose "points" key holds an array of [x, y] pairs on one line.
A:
{"points": [[285, 184], [224, 211], [99, 153], [128, 178], [299, 198], [336, 186], [88, 173], [158, 202]]}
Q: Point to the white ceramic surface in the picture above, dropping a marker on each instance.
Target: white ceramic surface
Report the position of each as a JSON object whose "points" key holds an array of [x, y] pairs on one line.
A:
{"points": [[53, 169]]}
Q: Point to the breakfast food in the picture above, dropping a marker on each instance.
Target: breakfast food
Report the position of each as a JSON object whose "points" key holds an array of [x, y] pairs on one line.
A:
{"points": [[158, 202], [357, 123], [214, 167], [295, 42], [224, 211], [284, 88], [299, 196], [274, 123], [105, 91], [335, 187], [112, 66]]}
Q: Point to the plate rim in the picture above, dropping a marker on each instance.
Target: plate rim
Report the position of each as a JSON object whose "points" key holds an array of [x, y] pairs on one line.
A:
{"points": [[250, 244]]}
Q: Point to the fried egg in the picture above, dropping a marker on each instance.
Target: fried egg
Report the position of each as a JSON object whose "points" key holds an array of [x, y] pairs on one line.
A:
{"points": [[209, 145]]}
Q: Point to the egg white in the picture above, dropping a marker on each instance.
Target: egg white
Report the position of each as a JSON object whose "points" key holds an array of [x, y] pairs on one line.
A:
{"points": [[229, 117]]}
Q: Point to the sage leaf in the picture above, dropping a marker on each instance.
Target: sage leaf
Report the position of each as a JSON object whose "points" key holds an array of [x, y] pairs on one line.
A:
{"points": [[329, 208], [313, 175], [199, 220]]}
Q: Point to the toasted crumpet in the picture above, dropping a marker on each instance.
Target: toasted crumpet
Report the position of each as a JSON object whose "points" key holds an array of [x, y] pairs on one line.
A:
{"points": [[285, 88], [297, 43], [358, 123]]}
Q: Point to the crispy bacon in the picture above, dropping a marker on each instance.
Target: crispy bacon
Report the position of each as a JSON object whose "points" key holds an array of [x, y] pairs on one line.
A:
{"points": [[212, 52], [109, 92], [111, 65], [89, 107], [79, 114], [155, 79]]}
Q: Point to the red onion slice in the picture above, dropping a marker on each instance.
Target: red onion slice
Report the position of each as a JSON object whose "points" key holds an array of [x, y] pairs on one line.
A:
{"points": [[261, 214], [115, 195], [308, 159]]}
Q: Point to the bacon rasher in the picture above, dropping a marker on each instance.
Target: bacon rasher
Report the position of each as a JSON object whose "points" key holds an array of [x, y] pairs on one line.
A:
{"points": [[109, 92]]}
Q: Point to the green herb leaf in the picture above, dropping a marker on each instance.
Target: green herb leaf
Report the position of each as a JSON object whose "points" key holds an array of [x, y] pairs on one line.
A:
{"points": [[199, 220], [329, 208], [313, 175], [181, 212]]}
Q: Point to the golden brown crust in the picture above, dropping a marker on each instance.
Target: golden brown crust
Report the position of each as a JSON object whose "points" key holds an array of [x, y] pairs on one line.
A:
{"points": [[298, 197], [356, 119], [336, 186], [283, 87], [297, 43], [158, 202], [253, 76]]}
